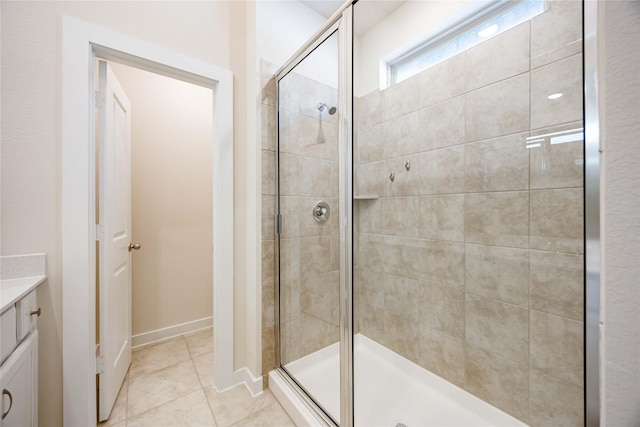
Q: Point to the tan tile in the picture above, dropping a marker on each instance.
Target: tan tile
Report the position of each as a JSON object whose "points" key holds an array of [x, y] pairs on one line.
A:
{"points": [[188, 411], [499, 57], [442, 125], [557, 284], [497, 218], [369, 216], [370, 109], [442, 263], [289, 93], [373, 251], [401, 296], [400, 99], [563, 77], [499, 381], [200, 342], [557, 165], [401, 135], [157, 356], [557, 220], [289, 258], [371, 322], [150, 390], [315, 255], [557, 33], [499, 164], [235, 404], [316, 334], [371, 179], [397, 255], [442, 354], [267, 82], [401, 335], [302, 219], [498, 273], [442, 171], [319, 296], [401, 216], [335, 252], [204, 368], [499, 109], [555, 403], [498, 327], [268, 221], [290, 340], [442, 309], [289, 299], [557, 347], [268, 261], [272, 415], [268, 350], [442, 81], [405, 182], [269, 125], [442, 217], [371, 144], [371, 286], [316, 177], [290, 212], [268, 303], [268, 172]]}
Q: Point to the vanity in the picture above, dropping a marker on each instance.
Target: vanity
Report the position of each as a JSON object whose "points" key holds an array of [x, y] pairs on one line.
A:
{"points": [[19, 277]]}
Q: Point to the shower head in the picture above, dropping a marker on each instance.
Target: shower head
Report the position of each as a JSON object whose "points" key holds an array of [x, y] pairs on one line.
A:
{"points": [[331, 110]]}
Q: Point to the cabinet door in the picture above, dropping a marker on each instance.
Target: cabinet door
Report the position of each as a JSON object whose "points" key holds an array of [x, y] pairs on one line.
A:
{"points": [[19, 383]]}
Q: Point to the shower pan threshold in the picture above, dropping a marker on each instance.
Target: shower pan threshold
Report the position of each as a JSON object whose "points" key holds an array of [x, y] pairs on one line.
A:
{"points": [[389, 390]]}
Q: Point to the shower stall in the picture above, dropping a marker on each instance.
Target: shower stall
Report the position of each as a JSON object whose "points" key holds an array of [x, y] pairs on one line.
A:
{"points": [[430, 217]]}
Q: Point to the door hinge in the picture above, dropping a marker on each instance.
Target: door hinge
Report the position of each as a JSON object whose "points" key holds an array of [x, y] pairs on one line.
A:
{"points": [[278, 223], [99, 99], [100, 364], [99, 232]]}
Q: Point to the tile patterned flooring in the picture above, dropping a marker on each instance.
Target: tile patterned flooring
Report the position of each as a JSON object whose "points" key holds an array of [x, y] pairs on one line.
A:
{"points": [[170, 384]]}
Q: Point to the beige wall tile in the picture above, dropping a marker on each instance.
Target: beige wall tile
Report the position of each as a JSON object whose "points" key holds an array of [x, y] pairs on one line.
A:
{"points": [[401, 256], [369, 215], [268, 83], [373, 251], [564, 77], [315, 255], [268, 305], [268, 261], [317, 334], [290, 305], [371, 322], [268, 118], [500, 164], [289, 93], [372, 288], [316, 178], [442, 355], [402, 296], [556, 33], [497, 218], [405, 182], [558, 165], [401, 215], [268, 217], [555, 403], [557, 347], [401, 135], [498, 327], [371, 144], [289, 259], [442, 81], [401, 335], [442, 217], [498, 273], [556, 220], [498, 381], [557, 284], [498, 58], [268, 350], [442, 263], [319, 296], [268, 172], [401, 99], [290, 341], [441, 309], [370, 110], [371, 179], [499, 109], [442, 124], [442, 171]]}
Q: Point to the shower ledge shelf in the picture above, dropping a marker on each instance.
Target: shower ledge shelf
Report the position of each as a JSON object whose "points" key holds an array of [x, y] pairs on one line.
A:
{"points": [[366, 197]]}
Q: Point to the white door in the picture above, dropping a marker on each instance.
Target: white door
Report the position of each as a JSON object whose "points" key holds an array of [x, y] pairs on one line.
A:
{"points": [[115, 236]]}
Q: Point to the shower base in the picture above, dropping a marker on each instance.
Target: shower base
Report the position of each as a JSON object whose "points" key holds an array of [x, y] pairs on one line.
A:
{"points": [[389, 390]]}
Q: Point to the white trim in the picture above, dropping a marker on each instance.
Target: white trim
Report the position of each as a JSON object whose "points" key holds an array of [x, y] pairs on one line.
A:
{"points": [[292, 404], [253, 384], [162, 334], [82, 42]]}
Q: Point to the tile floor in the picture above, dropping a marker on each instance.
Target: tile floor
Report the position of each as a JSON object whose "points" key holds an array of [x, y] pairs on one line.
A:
{"points": [[170, 384]]}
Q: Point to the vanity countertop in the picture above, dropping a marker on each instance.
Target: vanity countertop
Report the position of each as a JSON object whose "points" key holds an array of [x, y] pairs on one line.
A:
{"points": [[11, 290]]}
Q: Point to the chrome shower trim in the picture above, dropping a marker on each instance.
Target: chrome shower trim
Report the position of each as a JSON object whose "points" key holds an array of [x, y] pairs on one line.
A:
{"points": [[592, 214]]}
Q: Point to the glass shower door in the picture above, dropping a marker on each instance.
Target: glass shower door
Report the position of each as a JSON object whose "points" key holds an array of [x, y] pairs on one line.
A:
{"points": [[309, 281]]}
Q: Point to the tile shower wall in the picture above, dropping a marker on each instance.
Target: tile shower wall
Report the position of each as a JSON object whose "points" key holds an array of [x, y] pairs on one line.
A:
{"points": [[309, 250], [470, 262]]}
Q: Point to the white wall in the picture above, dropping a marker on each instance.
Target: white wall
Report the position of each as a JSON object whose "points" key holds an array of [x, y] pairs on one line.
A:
{"points": [[171, 199], [619, 27], [407, 25], [31, 84]]}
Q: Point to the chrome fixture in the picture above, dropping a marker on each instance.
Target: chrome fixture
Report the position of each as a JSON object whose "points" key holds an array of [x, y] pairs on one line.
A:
{"points": [[134, 246], [321, 211], [331, 110]]}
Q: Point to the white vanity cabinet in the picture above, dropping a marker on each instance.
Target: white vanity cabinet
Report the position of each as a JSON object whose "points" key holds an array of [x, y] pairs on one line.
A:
{"points": [[20, 275]]}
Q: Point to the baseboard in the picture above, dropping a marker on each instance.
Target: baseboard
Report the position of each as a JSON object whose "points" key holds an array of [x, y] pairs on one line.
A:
{"points": [[150, 337], [254, 384]]}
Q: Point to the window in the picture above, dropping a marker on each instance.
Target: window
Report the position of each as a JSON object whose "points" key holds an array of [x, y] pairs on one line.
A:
{"points": [[474, 28]]}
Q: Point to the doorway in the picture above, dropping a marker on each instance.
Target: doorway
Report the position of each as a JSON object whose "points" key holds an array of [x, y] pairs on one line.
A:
{"points": [[171, 134]]}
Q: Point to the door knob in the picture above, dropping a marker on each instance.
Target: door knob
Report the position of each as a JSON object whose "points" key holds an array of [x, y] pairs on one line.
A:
{"points": [[134, 246]]}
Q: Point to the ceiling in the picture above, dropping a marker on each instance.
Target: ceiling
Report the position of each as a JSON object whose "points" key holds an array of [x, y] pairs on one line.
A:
{"points": [[368, 12]]}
